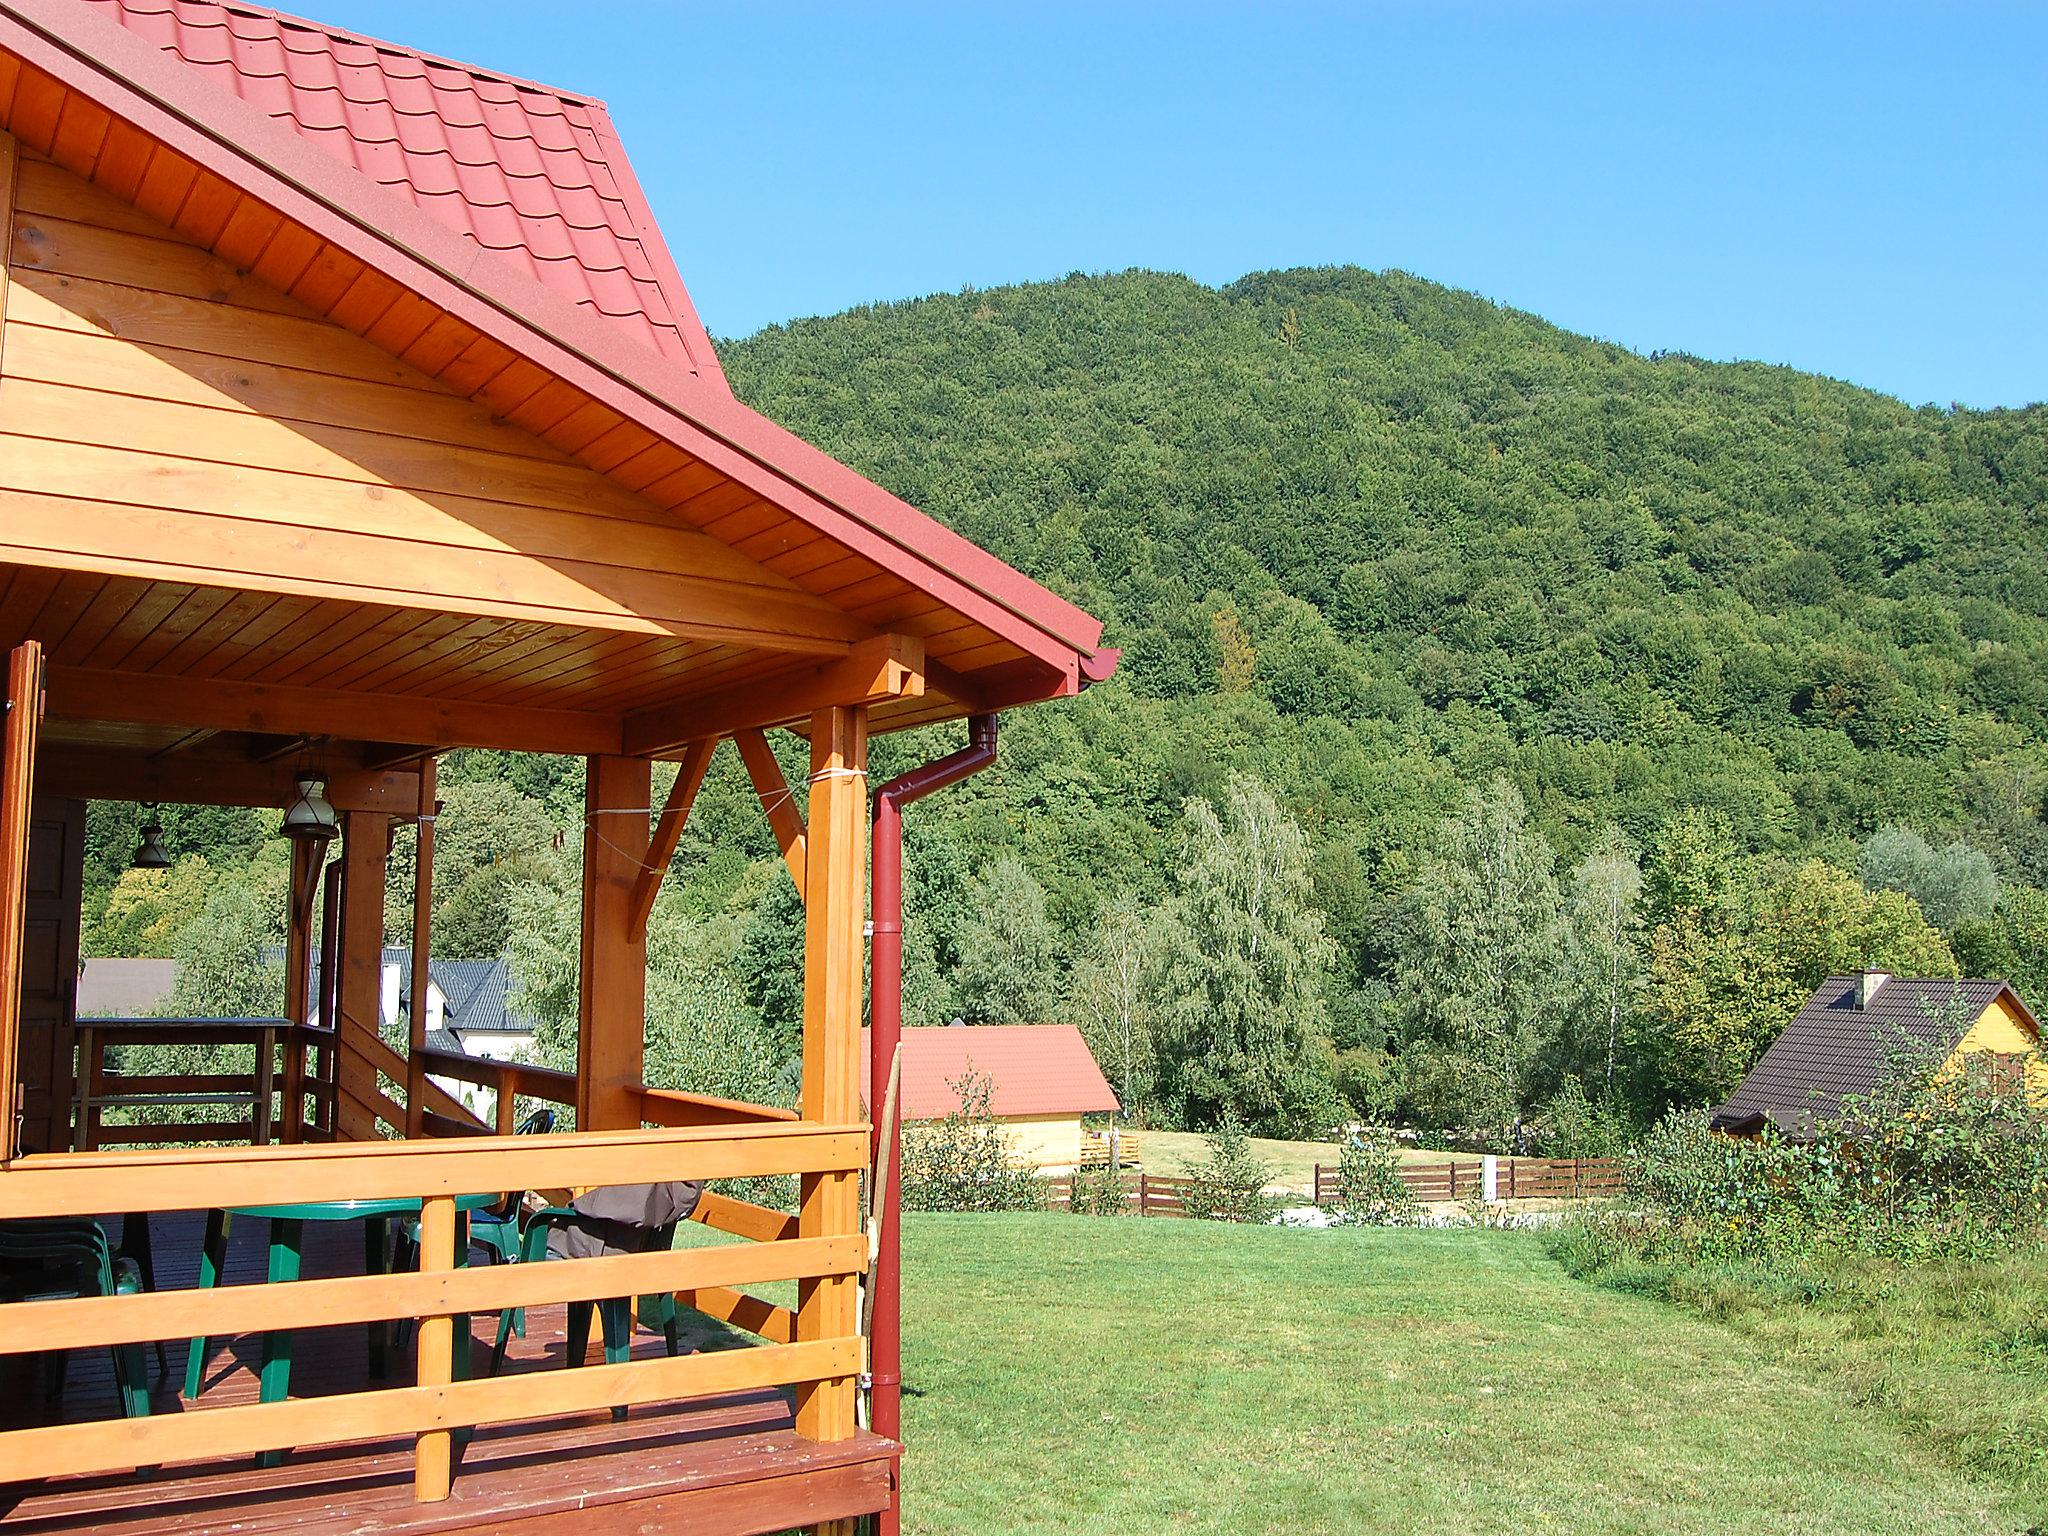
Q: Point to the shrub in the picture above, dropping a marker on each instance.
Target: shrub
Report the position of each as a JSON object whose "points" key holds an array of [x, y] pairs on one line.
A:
{"points": [[1101, 1192], [1936, 1163], [1370, 1189], [963, 1162], [1229, 1184]]}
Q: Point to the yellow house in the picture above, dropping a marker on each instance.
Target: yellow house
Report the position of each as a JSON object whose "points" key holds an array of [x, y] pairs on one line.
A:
{"points": [[1042, 1079], [1841, 1043]]}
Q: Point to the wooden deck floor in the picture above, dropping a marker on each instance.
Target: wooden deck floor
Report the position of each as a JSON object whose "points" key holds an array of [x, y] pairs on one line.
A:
{"points": [[726, 1465]]}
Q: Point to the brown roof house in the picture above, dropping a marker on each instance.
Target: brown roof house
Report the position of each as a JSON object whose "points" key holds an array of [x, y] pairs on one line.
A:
{"points": [[1842, 1043]]}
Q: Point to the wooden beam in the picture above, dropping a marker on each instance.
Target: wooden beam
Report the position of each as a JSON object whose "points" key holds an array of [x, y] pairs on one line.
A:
{"points": [[886, 667], [203, 779], [784, 816], [422, 953], [359, 996], [79, 693], [17, 778], [611, 1035], [828, 1204], [668, 831]]}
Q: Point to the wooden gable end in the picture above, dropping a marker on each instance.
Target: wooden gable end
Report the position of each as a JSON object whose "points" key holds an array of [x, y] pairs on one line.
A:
{"points": [[164, 415]]}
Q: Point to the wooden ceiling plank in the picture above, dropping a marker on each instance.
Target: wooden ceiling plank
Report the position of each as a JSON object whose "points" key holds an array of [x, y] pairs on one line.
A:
{"points": [[557, 671], [474, 682], [402, 633], [233, 618], [116, 600], [324, 626], [157, 601], [203, 603]]}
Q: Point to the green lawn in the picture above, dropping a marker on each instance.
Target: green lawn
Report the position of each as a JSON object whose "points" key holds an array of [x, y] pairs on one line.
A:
{"points": [[1134, 1377], [1290, 1165]]}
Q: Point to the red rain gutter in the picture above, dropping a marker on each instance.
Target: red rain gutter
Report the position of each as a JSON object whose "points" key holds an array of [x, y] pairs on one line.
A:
{"points": [[885, 1029]]}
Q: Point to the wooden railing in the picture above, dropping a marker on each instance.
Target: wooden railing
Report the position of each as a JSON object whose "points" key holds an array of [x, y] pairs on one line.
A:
{"points": [[285, 1091], [436, 1172]]}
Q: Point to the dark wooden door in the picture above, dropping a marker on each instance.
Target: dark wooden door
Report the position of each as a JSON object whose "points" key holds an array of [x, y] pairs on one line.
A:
{"points": [[49, 971]]}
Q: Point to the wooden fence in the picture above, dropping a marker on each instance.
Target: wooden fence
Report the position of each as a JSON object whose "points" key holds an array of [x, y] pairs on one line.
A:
{"points": [[1147, 1194], [1515, 1178]]}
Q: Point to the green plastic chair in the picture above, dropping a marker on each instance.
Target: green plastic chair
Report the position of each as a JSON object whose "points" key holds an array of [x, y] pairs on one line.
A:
{"points": [[496, 1230], [65, 1257], [615, 1317]]}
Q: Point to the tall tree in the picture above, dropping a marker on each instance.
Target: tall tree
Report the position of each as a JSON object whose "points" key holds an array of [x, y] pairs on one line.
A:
{"points": [[1481, 975], [1246, 1025], [222, 972], [1117, 994], [1009, 949], [1604, 928]]}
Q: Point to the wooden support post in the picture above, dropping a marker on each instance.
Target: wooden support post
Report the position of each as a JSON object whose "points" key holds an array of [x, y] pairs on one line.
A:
{"points": [[611, 1037], [307, 858], [835, 912], [784, 815], [422, 953], [432, 1459], [668, 831], [17, 773], [359, 990]]}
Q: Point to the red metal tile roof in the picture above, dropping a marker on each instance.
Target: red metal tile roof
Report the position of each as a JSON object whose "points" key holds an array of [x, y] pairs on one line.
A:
{"points": [[1034, 1069], [533, 174]]}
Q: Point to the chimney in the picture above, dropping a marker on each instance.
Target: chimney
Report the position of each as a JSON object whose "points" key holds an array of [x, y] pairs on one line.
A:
{"points": [[1867, 984]]}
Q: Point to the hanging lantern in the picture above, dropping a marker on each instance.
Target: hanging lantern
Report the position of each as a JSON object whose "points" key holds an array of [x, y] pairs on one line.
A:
{"points": [[149, 853], [309, 817]]}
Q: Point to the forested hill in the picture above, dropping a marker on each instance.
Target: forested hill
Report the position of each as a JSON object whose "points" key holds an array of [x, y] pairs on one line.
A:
{"points": [[1631, 581], [1512, 729]]}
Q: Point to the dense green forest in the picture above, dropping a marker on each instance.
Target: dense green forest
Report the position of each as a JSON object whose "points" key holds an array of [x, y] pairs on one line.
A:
{"points": [[1511, 727]]}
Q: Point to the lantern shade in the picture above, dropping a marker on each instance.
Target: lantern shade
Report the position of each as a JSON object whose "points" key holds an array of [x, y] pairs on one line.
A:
{"points": [[309, 816], [149, 853]]}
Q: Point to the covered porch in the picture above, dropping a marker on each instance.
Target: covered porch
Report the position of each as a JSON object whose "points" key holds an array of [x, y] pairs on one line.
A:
{"points": [[297, 478]]}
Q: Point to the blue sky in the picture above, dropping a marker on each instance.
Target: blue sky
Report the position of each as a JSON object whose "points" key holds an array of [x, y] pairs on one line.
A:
{"points": [[1862, 191]]}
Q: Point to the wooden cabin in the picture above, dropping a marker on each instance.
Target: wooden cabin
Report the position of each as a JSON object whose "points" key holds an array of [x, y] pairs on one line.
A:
{"points": [[1854, 1029], [1042, 1081], [351, 410]]}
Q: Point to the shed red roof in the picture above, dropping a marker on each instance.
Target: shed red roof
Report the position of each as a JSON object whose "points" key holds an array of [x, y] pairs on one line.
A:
{"points": [[533, 173], [1034, 1069]]}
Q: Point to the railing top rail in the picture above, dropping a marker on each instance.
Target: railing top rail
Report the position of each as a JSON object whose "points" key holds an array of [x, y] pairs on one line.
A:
{"points": [[176, 1179]]}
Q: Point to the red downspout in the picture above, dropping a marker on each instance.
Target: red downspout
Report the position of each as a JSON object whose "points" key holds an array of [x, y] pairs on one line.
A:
{"points": [[885, 1021]]}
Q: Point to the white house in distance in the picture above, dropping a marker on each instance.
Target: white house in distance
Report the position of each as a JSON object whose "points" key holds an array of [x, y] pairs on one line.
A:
{"points": [[1042, 1078]]}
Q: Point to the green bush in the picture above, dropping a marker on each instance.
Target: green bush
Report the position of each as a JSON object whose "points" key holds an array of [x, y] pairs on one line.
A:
{"points": [[1370, 1189], [963, 1162], [1935, 1164], [1101, 1192], [1229, 1184]]}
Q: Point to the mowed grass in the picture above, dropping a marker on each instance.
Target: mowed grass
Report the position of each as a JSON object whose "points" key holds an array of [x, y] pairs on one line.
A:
{"points": [[1290, 1165], [1130, 1376]]}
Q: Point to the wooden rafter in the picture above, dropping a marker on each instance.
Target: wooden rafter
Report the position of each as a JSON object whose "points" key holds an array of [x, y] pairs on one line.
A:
{"points": [[668, 831], [887, 667], [785, 816]]}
